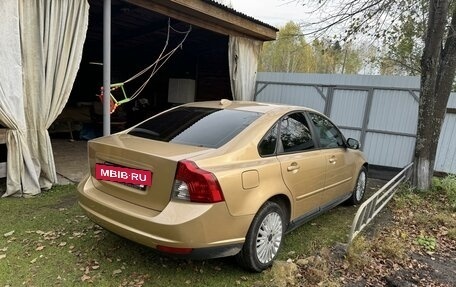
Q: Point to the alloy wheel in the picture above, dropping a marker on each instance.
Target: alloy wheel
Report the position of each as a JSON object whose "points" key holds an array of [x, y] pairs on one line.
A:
{"points": [[361, 186], [269, 237]]}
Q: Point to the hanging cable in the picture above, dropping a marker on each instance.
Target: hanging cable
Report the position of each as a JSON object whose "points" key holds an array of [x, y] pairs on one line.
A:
{"points": [[155, 66]]}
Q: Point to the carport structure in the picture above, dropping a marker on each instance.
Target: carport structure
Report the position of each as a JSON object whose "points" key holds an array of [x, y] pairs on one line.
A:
{"points": [[49, 42]]}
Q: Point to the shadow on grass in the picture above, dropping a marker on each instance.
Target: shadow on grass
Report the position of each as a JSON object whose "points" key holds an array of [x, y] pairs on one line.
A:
{"points": [[53, 243]]}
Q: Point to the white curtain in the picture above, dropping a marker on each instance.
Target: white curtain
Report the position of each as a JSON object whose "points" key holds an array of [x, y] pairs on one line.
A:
{"points": [[243, 56], [52, 38], [22, 179]]}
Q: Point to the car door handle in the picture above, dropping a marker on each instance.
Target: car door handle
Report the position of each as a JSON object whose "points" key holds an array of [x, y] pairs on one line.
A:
{"points": [[333, 160], [294, 166]]}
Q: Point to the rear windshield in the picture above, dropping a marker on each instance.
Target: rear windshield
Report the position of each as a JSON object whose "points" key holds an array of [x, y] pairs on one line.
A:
{"points": [[196, 126]]}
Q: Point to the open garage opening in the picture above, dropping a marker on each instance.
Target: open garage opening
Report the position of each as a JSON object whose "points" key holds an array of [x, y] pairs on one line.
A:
{"points": [[197, 71]]}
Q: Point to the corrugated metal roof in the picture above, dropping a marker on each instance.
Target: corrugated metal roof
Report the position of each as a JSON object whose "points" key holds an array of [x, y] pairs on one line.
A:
{"points": [[233, 11]]}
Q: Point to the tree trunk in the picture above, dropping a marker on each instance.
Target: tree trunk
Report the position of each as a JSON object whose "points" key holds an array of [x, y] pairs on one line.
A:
{"points": [[437, 74]]}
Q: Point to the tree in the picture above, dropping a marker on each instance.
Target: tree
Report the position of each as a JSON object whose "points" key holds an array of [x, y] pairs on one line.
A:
{"points": [[379, 19], [404, 47], [438, 66], [291, 53], [333, 57]]}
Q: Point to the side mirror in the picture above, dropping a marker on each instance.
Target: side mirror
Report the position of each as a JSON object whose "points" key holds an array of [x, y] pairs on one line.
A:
{"points": [[353, 144]]}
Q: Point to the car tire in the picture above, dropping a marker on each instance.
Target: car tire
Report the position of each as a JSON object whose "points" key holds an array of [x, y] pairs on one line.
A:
{"points": [[264, 238], [360, 187]]}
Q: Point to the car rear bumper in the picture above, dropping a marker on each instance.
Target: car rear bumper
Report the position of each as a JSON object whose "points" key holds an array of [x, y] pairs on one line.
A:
{"points": [[208, 229]]}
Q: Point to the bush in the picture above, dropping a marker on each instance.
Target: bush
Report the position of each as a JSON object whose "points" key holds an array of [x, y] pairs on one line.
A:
{"points": [[447, 185]]}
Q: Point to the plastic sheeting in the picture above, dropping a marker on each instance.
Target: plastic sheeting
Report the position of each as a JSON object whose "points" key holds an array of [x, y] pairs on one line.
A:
{"points": [[37, 84], [243, 56]]}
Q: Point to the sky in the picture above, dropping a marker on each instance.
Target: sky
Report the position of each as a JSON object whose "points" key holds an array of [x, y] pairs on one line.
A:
{"points": [[274, 12]]}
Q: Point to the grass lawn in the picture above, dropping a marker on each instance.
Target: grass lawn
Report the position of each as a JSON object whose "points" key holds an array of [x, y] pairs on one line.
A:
{"points": [[47, 241]]}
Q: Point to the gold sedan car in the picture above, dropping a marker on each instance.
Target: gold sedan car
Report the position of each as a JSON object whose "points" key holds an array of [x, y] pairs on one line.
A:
{"points": [[215, 179]]}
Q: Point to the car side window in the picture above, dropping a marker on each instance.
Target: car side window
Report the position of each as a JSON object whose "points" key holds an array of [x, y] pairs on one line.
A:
{"points": [[268, 144], [329, 135], [295, 133]]}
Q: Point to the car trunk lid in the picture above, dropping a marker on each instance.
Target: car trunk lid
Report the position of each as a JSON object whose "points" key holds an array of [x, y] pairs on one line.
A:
{"points": [[134, 153]]}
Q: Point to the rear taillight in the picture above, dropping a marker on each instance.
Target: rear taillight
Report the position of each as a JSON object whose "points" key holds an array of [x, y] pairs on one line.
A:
{"points": [[196, 185]]}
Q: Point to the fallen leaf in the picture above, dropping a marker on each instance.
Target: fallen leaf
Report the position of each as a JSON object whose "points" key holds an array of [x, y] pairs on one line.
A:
{"points": [[2, 256], [95, 267], [62, 244], [85, 277], [34, 260], [4, 249], [11, 239], [118, 271], [39, 248], [8, 234]]}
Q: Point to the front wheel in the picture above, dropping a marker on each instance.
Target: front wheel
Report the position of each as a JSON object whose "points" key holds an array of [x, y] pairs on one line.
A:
{"points": [[263, 239], [360, 187]]}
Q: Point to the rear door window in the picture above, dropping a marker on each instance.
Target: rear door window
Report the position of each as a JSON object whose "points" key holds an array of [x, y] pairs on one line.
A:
{"points": [[295, 133], [196, 126]]}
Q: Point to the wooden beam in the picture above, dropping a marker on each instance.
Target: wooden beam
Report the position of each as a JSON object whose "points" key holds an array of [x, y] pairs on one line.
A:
{"points": [[211, 17]]}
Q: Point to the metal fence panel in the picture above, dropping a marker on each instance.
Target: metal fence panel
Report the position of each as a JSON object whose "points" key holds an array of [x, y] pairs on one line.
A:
{"points": [[307, 96], [394, 111], [446, 151], [374, 204], [389, 150], [351, 134], [452, 101], [348, 108], [402, 82]]}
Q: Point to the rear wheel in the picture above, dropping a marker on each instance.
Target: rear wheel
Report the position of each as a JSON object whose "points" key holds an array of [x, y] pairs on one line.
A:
{"points": [[360, 187], [264, 238]]}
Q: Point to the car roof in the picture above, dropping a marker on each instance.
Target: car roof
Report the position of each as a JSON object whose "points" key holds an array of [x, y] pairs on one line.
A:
{"points": [[249, 106]]}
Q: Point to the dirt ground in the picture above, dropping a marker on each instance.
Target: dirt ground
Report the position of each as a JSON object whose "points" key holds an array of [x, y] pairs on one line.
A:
{"points": [[397, 258]]}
